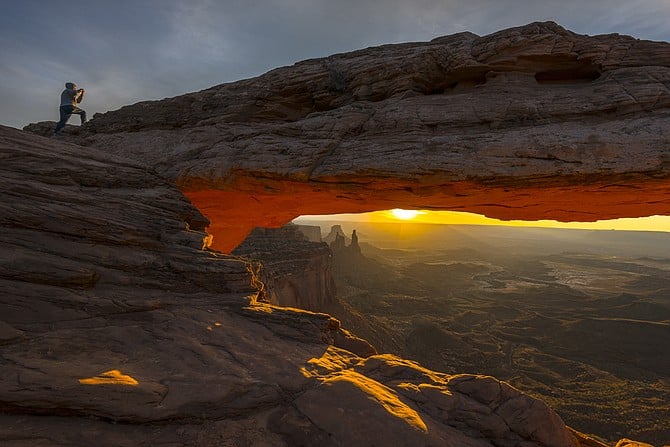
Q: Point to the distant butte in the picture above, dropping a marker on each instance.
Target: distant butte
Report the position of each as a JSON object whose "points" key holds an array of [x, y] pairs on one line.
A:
{"points": [[534, 122]]}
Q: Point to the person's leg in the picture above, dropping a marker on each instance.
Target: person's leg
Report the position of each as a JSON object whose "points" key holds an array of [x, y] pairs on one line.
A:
{"points": [[81, 113], [65, 114]]}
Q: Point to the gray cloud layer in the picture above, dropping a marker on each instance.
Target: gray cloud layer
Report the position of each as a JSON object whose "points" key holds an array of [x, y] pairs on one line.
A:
{"points": [[125, 51]]}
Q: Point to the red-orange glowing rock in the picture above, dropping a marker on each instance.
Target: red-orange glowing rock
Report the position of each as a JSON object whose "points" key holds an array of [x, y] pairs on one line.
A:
{"points": [[530, 123], [233, 214], [103, 265]]}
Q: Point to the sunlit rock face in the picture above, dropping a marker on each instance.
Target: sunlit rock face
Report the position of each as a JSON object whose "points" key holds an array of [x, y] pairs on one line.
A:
{"points": [[296, 272], [529, 123]]}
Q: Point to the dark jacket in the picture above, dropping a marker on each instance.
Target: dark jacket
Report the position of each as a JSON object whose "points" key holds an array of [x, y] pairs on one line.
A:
{"points": [[71, 96]]}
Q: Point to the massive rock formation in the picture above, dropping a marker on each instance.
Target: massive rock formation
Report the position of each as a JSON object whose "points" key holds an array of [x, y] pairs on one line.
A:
{"points": [[121, 327], [531, 123], [295, 272], [311, 232], [335, 233]]}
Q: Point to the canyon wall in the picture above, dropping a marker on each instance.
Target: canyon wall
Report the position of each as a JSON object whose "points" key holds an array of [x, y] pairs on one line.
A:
{"points": [[295, 271]]}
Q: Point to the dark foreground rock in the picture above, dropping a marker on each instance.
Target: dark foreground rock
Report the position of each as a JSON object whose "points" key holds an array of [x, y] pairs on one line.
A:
{"points": [[120, 328], [295, 271]]}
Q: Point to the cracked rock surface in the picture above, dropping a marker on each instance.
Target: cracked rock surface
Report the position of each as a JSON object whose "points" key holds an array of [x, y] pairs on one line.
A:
{"points": [[120, 328]]}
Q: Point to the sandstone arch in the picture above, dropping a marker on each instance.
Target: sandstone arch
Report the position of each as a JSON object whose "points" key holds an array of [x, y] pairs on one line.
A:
{"points": [[234, 214], [530, 123], [533, 122]]}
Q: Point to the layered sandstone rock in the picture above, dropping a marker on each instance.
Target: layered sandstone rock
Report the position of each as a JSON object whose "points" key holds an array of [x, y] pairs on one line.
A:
{"points": [[311, 232], [629, 443], [530, 123], [295, 271], [334, 234], [120, 328]]}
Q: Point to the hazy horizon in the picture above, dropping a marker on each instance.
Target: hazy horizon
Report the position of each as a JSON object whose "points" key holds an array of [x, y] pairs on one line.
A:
{"points": [[426, 236], [659, 224]]}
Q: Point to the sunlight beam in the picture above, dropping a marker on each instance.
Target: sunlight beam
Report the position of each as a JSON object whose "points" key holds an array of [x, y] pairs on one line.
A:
{"points": [[113, 377]]}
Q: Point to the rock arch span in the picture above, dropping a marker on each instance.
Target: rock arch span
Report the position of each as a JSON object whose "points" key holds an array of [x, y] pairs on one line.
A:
{"points": [[233, 214], [534, 122]]}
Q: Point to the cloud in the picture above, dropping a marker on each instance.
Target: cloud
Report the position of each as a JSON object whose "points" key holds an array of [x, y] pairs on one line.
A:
{"points": [[132, 50]]}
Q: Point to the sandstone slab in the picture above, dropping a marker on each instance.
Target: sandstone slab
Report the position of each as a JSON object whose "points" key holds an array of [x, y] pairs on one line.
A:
{"points": [[120, 328]]}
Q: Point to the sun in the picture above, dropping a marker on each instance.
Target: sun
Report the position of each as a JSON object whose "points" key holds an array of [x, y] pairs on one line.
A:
{"points": [[405, 214]]}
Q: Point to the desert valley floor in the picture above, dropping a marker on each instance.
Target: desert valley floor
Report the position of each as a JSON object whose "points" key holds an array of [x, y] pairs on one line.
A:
{"points": [[580, 319]]}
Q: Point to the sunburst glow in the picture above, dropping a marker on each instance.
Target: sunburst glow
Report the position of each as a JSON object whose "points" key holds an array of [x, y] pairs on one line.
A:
{"points": [[401, 214], [651, 223]]}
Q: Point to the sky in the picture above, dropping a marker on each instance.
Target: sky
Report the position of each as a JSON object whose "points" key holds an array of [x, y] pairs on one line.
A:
{"points": [[650, 223], [126, 51]]}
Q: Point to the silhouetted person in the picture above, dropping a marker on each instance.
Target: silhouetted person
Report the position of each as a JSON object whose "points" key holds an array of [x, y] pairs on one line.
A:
{"points": [[69, 99]]}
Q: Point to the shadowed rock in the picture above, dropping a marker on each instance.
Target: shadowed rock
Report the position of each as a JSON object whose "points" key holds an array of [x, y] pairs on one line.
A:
{"points": [[296, 272], [534, 122], [119, 327]]}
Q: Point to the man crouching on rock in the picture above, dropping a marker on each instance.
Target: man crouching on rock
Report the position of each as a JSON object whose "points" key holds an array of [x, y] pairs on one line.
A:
{"points": [[69, 99]]}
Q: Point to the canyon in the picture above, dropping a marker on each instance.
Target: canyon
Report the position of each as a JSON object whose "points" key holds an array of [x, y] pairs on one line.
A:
{"points": [[577, 318], [125, 320]]}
